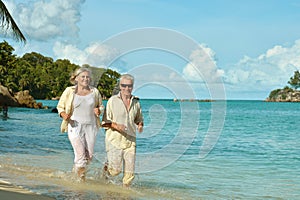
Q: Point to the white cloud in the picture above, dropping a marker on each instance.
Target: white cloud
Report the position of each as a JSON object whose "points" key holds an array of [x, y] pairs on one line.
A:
{"points": [[269, 70], [70, 52], [44, 20], [202, 66], [264, 73], [95, 54]]}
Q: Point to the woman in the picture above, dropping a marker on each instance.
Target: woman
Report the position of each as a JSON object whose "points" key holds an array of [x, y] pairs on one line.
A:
{"points": [[80, 106]]}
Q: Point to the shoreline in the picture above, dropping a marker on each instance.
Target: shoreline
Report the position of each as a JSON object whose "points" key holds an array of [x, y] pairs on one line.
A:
{"points": [[9, 191]]}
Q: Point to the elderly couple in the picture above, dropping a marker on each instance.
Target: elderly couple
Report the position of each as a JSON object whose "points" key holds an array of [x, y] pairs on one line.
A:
{"points": [[80, 107]]}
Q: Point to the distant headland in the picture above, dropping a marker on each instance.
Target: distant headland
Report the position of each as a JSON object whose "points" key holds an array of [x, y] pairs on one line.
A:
{"points": [[287, 94], [284, 95]]}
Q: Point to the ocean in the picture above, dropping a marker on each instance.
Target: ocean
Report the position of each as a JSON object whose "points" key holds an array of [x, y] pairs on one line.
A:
{"points": [[189, 150]]}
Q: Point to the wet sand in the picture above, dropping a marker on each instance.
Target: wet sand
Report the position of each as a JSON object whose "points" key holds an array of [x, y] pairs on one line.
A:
{"points": [[9, 191]]}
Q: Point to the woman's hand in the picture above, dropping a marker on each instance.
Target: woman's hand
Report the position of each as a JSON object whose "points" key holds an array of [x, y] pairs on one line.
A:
{"points": [[65, 116], [97, 112]]}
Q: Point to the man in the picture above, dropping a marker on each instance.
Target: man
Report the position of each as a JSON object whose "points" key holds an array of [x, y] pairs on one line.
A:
{"points": [[122, 117]]}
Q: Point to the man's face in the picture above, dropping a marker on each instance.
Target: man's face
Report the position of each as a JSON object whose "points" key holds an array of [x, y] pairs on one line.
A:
{"points": [[126, 87]]}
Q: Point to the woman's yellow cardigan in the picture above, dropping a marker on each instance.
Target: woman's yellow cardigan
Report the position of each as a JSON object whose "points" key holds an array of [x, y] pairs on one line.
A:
{"points": [[65, 104]]}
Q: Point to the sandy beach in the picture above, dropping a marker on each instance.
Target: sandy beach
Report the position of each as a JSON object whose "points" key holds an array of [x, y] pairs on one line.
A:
{"points": [[9, 191]]}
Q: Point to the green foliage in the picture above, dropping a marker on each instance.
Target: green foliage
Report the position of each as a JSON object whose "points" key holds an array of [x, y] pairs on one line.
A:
{"points": [[45, 78], [287, 89], [274, 93], [107, 82], [6, 60], [60, 76], [295, 80], [284, 96]]}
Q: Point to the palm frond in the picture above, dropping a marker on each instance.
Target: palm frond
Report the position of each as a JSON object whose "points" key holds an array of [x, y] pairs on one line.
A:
{"points": [[7, 22]]}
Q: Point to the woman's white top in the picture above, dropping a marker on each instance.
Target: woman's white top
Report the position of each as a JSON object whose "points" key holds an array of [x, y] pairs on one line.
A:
{"points": [[84, 109]]}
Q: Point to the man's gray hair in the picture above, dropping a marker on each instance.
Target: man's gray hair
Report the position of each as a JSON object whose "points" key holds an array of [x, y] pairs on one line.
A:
{"points": [[128, 77]]}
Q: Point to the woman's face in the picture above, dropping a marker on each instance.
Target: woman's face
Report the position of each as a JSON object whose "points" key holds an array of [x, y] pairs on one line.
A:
{"points": [[83, 79]]}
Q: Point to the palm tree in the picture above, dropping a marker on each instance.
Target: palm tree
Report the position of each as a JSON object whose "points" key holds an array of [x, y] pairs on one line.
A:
{"points": [[6, 21]]}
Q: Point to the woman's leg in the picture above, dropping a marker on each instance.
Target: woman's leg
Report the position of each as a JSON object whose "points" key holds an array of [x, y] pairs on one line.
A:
{"points": [[90, 139], [78, 145]]}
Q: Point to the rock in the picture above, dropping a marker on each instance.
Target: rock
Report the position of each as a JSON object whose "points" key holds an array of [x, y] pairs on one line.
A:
{"points": [[54, 110], [20, 99], [26, 100], [6, 98]]}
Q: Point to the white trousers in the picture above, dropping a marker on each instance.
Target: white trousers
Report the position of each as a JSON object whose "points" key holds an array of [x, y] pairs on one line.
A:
{"points": [[121, 158], [82, 138]]}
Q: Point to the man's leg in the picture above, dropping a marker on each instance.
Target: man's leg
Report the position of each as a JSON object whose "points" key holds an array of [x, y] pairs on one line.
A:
{"points": [[129, 165], [115, 159]]}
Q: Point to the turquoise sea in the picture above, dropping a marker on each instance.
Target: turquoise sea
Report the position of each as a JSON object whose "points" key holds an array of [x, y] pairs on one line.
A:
{"points": [[188, 150]]}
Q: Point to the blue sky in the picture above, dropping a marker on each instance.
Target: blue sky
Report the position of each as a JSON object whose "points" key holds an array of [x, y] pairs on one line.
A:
{"points": [[251, 46]]}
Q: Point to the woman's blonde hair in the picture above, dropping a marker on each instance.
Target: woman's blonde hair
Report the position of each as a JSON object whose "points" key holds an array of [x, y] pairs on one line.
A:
{"points": [[77, 72]]}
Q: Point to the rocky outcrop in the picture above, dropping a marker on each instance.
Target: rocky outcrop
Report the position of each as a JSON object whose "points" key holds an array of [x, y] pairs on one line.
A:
{"points": [[284, 95], [20, 99], [26, 100], [6, 97]]}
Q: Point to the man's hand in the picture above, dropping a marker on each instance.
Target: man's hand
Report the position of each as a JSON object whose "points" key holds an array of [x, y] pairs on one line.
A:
{"points": [[140, 127], [119, 127]]}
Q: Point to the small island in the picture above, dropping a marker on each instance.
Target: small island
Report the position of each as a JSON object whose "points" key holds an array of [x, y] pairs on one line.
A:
{"points": [[193, 100], [287, 94]]}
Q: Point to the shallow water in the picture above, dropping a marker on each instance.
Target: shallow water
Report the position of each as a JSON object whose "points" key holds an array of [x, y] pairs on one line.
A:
{"points": [[256, 155]]}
